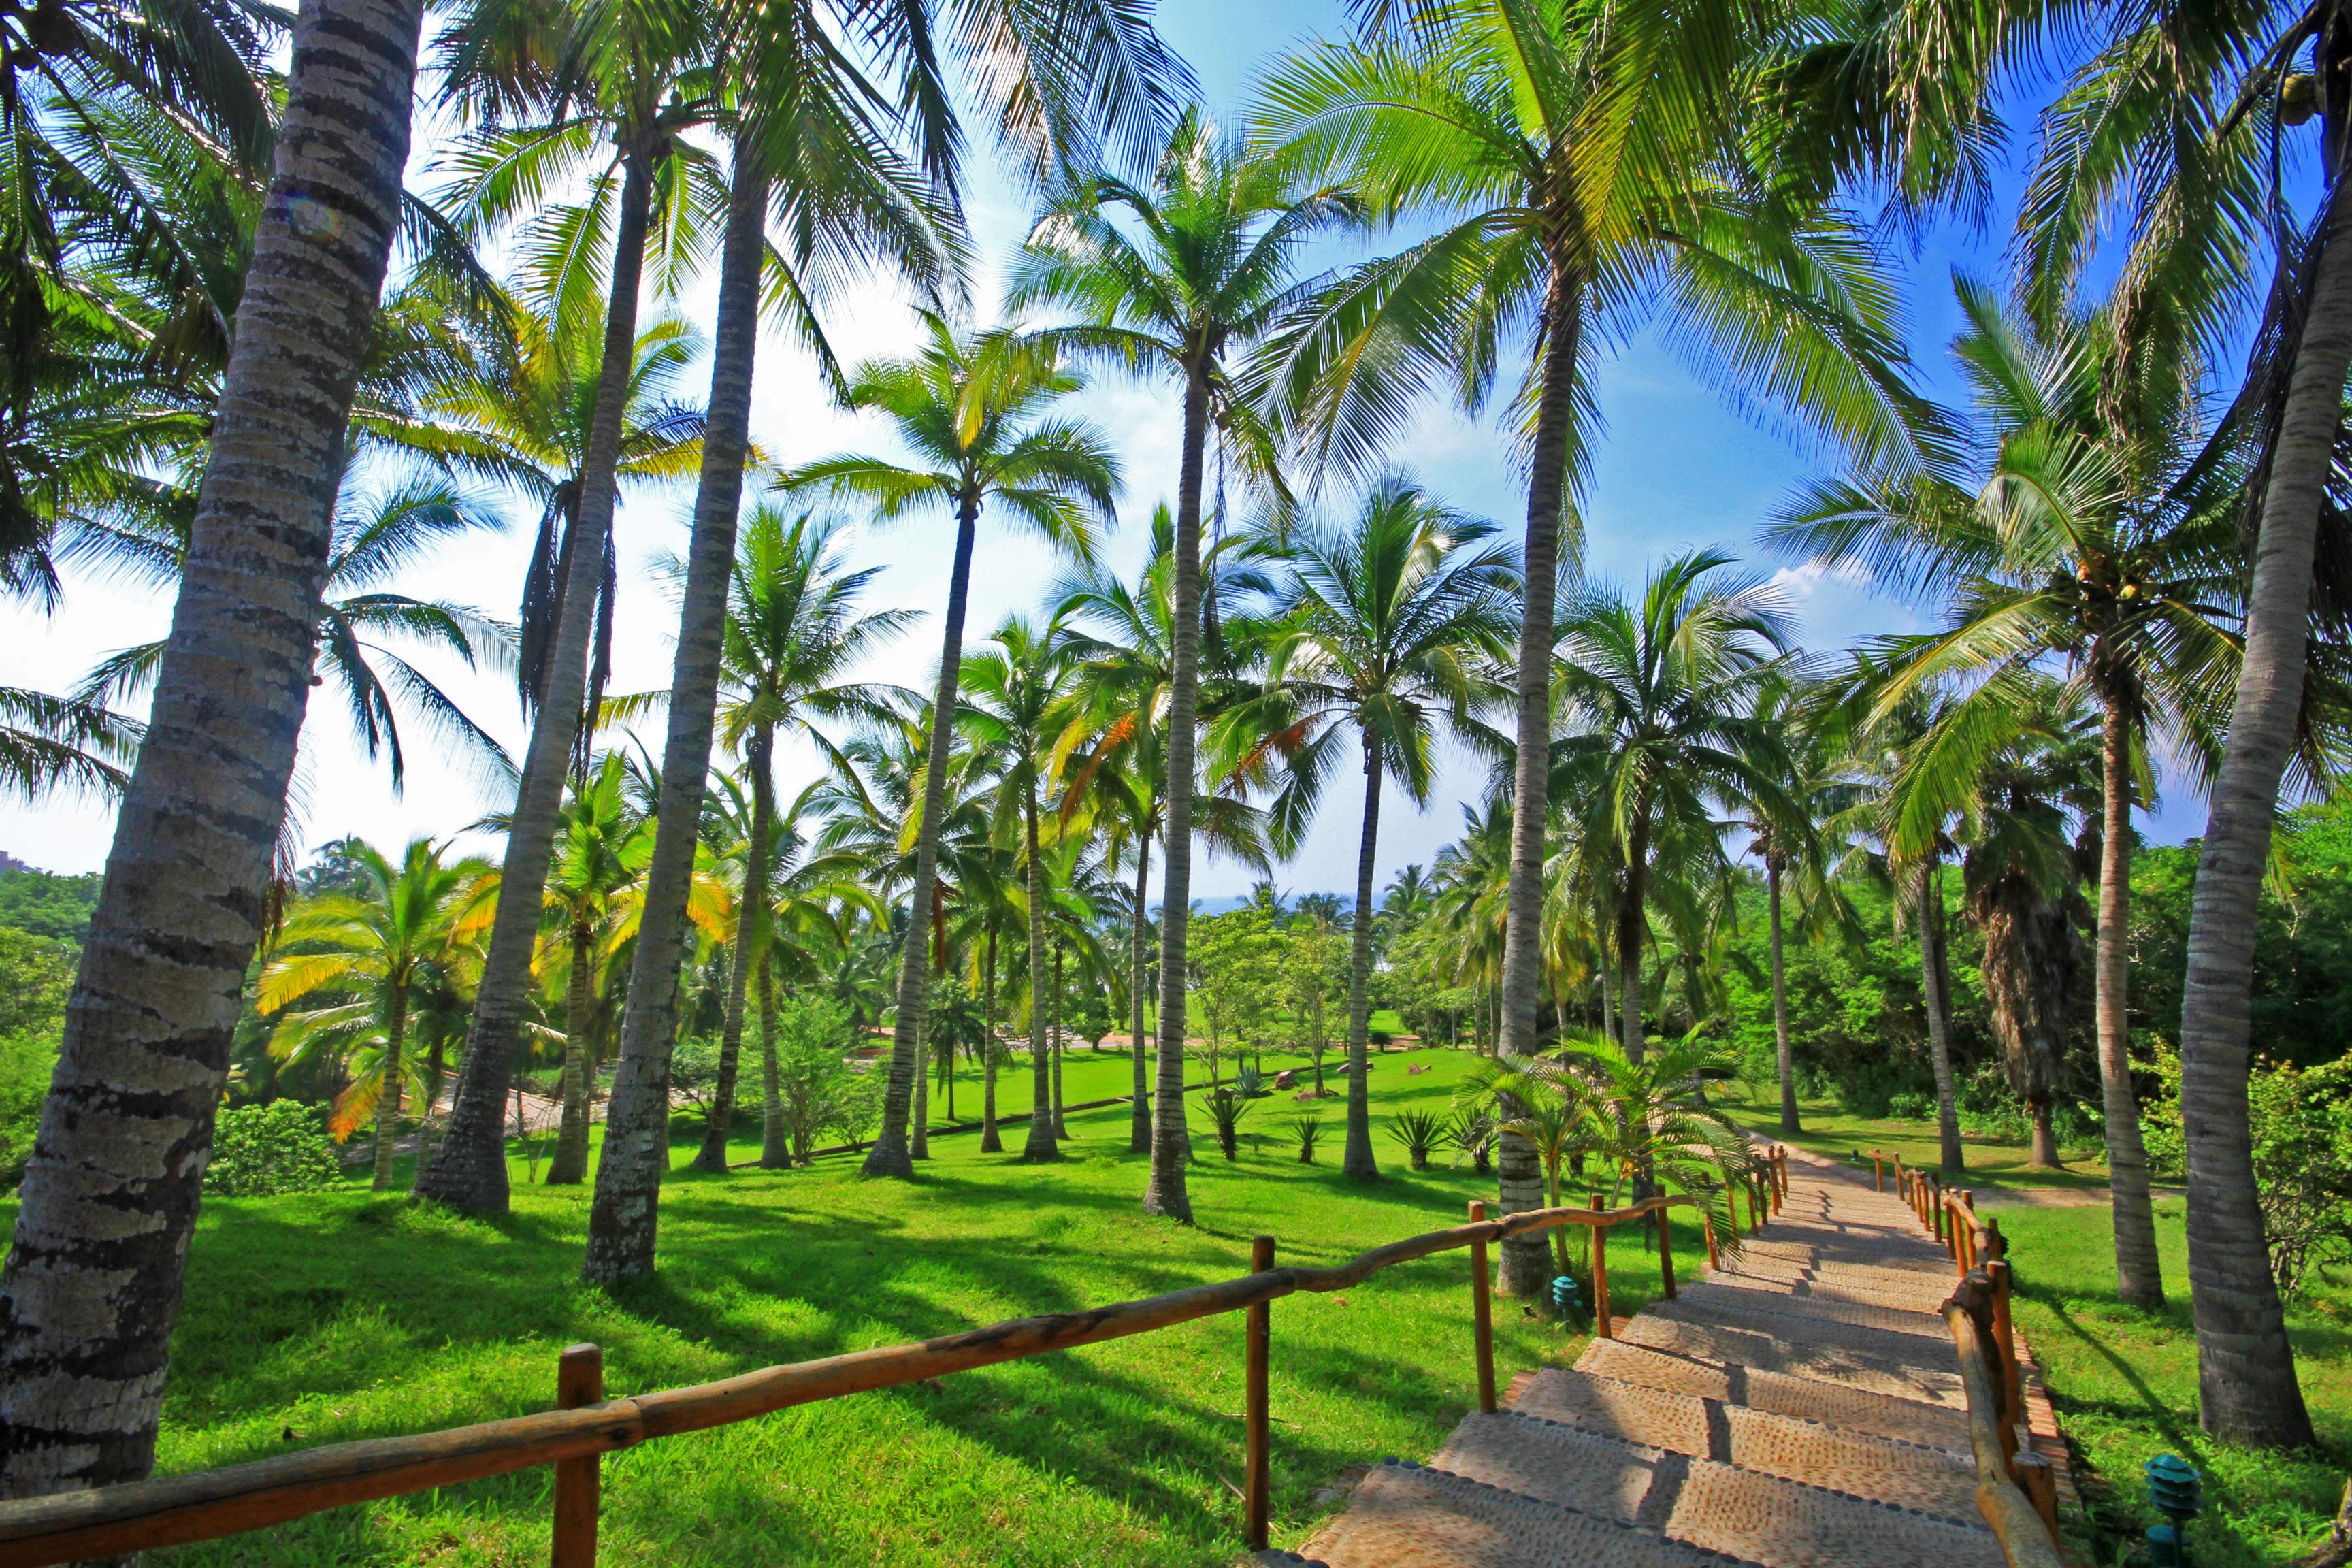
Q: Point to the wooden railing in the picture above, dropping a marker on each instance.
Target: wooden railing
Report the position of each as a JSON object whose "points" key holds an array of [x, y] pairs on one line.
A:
{"points": [[2016, 1491], [205, 1505]]}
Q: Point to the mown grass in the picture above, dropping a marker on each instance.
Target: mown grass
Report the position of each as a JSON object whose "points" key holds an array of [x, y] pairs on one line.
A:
{"points": [[339, 1316], [1992, 1163]]}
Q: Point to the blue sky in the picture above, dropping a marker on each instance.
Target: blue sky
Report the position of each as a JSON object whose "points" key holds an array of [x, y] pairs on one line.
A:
{"points": [[1673, 469]]}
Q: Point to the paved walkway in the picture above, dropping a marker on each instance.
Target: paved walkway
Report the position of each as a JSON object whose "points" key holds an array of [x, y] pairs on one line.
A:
{"points": [[1798, 1408]]}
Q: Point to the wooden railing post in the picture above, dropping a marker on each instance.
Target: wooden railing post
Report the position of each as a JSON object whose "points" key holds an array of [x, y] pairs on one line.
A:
{"points": [[1259, 1485], [1877, 1173], [1781, 1169], [1666, 1253], [579, 1483], [1482, 1313], [1600, 1323], [1706, 1224], [2041, 1484], [2004, 1337]]}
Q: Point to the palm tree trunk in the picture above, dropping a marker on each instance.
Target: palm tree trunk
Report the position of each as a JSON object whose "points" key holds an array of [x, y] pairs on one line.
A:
{"points": [[387, 1105], [1041, 1144], [1523, 1262], [1935, 985], [1633, 931], [434, 1073], [1165, 1194], [1790, 1126], [1358, 1162], [2246, 1369], [469, 1171], [750, 932], [87, 1302], [1061, 1128], [892, 1155], [623, 1221], [776, 1150], [1139, 1121], [569, 1165], [992, 1141]]}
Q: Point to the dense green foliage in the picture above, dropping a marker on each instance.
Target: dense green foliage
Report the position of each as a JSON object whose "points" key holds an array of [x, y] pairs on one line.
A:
{"points": [[264, 1151], [48, 905]]}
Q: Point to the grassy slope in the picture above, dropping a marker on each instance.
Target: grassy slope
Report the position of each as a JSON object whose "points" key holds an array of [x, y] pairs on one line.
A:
{"points": [[2124, 1382], [341, 1316]]}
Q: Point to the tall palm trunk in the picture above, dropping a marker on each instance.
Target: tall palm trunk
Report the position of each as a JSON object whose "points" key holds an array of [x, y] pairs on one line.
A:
{"points": [[470, 1170], [1041, 1144], [992, 1139], [1936, 988], [387, 1105], [1524, 1269], [1790, 1126], [750, 933], [1139, 1121], [434, 1073], [1633, 931], [892, 1155], [1165, 1194], [2139, 1277], [92, 1283], [776, 1150], [1358, 1162], [623, 1221], [569, 1165], [2245, 1370], [1061, 1128]]}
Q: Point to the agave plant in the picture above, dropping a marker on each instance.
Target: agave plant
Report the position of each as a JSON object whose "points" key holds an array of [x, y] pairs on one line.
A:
{"points": [[1310, 1130], [1227, 1108], [1419, 1132], [1472, 1135]]}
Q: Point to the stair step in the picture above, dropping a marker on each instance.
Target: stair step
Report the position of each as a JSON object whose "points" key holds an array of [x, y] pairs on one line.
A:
{"points": [[1769, 1246], [1701, 1503], [1834, 1282], [1807, 1399], [1809, 1359], [1913, 1336], [1409, 1516], [1927, 1480]]}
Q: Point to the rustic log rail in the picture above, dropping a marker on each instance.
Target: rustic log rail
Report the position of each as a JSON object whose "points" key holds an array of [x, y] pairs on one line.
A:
{"points": [[2016, 1492], [205, 1505]]}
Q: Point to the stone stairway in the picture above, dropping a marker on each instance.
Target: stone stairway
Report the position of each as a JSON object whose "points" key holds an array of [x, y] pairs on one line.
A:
{"points": [[1798, 1407]]}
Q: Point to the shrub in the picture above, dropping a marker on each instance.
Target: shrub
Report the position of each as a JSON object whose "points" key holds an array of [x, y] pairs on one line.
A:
{"points": [[260, 1150], [1471, 1134], [855, 1107], [1226, 1109], [1309, 1128], [812, 1085], [1419, 1132], [1911, 1106], [2303, 1166]]}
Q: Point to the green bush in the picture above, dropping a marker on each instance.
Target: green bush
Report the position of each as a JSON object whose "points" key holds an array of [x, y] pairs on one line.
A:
{"points": [[260, 1150], [26, 1062]]}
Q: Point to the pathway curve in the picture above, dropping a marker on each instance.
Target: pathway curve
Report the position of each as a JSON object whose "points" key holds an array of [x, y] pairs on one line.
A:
{"points": [[1798, 1407]]}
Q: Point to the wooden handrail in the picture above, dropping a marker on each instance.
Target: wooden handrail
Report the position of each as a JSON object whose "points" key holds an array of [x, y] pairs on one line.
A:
{"points": [[2027, 1539], [205, 1505]]}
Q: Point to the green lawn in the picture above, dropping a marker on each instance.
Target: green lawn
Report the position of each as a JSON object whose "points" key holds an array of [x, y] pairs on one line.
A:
{"points": [[330, 1317], [337, 1316], [1991, 1163]]}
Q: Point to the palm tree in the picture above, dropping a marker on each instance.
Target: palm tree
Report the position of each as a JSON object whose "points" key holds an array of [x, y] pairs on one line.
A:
{"points": [[974, 408], [2081, 529], [1659, 698], [1569, 151], [144, 1052], [2171, 97], [1113, 751], [363, 959], [1388, 627], [1207, 271], [1013, 689], [793, 631], [602, 844], [606, 93]]}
